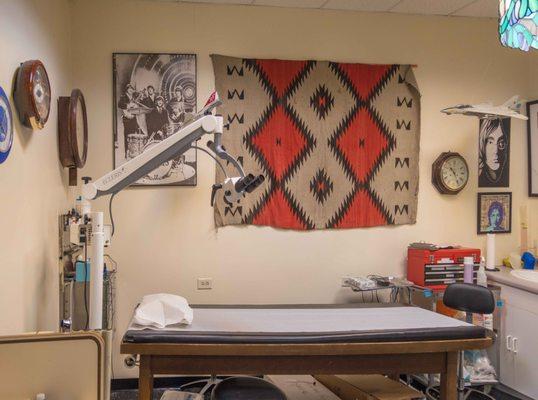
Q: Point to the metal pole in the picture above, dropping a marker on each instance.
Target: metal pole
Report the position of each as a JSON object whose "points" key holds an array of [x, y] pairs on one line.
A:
{"points": [[96, 271]]}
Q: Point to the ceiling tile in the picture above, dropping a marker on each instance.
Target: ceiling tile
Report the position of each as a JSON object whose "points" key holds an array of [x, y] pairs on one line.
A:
{"points": [[480, 8], [467, 8], [290, 3], [360, 5], [435, 7]]}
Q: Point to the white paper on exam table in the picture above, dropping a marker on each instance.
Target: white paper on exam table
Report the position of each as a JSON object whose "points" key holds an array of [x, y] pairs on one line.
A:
{"points": [[297, 320], [161, 310]]}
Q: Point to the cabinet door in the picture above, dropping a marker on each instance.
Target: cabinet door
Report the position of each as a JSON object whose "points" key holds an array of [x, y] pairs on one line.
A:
{"points": [[525, 330], [506, 365]]}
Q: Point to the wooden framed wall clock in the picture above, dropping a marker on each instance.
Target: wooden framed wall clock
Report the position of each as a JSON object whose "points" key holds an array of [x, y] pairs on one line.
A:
{"points": [[6, 126], [32, 94], [450, 173], [73, 133]]}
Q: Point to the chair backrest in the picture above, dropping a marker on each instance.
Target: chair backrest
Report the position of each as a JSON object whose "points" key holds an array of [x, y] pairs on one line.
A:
{"points": [[469, 298]]}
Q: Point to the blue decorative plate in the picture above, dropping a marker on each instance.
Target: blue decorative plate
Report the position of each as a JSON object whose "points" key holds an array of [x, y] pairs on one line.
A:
{"points": [[6, 126]]}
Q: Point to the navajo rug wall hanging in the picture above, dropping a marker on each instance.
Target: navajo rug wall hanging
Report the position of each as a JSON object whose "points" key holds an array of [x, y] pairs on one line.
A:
{"points": [[338, 143]]}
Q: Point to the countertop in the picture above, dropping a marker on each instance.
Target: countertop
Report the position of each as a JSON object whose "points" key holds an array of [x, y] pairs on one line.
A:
{"points": [[506, 278]]}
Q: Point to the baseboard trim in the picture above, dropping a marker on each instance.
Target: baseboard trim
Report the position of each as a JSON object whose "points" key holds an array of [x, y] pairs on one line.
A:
{"points": [[158, 383], [163, 382]]}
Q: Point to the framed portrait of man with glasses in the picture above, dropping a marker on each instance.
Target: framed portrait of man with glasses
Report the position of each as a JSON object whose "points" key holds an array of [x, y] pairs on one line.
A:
{"points": [[494, 153]]}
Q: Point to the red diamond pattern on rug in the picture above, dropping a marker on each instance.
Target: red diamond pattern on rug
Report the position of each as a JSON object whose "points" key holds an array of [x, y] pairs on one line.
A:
{"points": [[280, 142], [362, 144], [281, 73], [362, 211], [364, 77], [278, 207]]}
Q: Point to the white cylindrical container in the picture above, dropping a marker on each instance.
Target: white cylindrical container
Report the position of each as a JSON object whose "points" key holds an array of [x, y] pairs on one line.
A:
{"points": [[97, 243], [468, 269], [490, 251]]}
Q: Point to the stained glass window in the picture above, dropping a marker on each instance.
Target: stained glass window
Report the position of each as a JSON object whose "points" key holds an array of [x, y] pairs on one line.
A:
{"points": [[518, 23]]}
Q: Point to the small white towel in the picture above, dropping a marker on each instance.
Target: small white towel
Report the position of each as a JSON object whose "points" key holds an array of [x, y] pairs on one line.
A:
{"points": [[163, 309]]}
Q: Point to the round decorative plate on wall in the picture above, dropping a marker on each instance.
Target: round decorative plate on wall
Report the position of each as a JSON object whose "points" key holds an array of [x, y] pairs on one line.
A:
{"points": [[450, 173], [6, 126], [73, 133], [32, 94]]}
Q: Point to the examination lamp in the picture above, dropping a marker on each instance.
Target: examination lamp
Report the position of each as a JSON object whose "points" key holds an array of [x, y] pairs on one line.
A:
{"points": [[234, 188]]}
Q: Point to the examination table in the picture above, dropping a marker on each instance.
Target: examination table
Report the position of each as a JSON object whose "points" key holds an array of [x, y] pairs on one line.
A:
{"points": [[313, 339]]}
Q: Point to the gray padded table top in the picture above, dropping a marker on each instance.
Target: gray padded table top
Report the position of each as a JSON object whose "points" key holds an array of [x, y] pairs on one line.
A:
{"points": [[308, 324]]}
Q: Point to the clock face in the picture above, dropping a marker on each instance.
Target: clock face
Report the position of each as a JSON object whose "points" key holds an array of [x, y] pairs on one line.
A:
{"points": [[41, 92], [454, 173]]}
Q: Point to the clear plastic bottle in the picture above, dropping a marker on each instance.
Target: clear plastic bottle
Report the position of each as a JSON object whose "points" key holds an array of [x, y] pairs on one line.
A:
{"points": [[481, 277], [482, 280]]}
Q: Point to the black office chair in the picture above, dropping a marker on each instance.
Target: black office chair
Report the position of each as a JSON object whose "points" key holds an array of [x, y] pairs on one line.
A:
{"points": [[471, 299], [235, 388], [246, 388]]}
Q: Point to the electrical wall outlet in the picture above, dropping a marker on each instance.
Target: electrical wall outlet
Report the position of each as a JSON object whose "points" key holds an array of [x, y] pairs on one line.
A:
{"points": [[205, 283]]}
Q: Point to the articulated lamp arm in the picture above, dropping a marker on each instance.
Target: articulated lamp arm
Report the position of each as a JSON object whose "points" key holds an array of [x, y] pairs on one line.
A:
{"points": [[171, 147]]}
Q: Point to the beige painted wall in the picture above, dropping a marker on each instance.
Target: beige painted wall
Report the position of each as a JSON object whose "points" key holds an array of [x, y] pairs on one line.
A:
{"points": [[533, 76], [32, 185], [165, 237]]}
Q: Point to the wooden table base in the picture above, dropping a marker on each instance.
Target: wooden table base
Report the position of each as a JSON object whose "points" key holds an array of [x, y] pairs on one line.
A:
{"points": [[444, 363], [427, 356]]}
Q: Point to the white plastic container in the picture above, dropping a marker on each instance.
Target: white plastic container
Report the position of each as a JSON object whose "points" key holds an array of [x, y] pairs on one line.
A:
{"points": [[468, 269], [490, 253], [481, 277], [488, 321]]}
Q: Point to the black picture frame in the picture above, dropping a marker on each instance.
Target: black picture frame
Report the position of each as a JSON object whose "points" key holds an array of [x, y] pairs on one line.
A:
{"points": [[480, 215], [532, 131], [487, 177], [189, 182]]}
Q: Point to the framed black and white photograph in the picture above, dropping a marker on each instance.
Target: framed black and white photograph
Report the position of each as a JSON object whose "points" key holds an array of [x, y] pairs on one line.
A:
{"points": [[494, 153], [532, 143], [494, 212], [154, 94]]}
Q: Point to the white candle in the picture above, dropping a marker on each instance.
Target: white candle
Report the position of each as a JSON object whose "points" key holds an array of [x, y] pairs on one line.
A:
{"points": [[524, 227]]}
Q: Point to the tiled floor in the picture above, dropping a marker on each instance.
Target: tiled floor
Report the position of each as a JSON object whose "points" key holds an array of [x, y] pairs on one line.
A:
{"points": [[132, 394]]}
